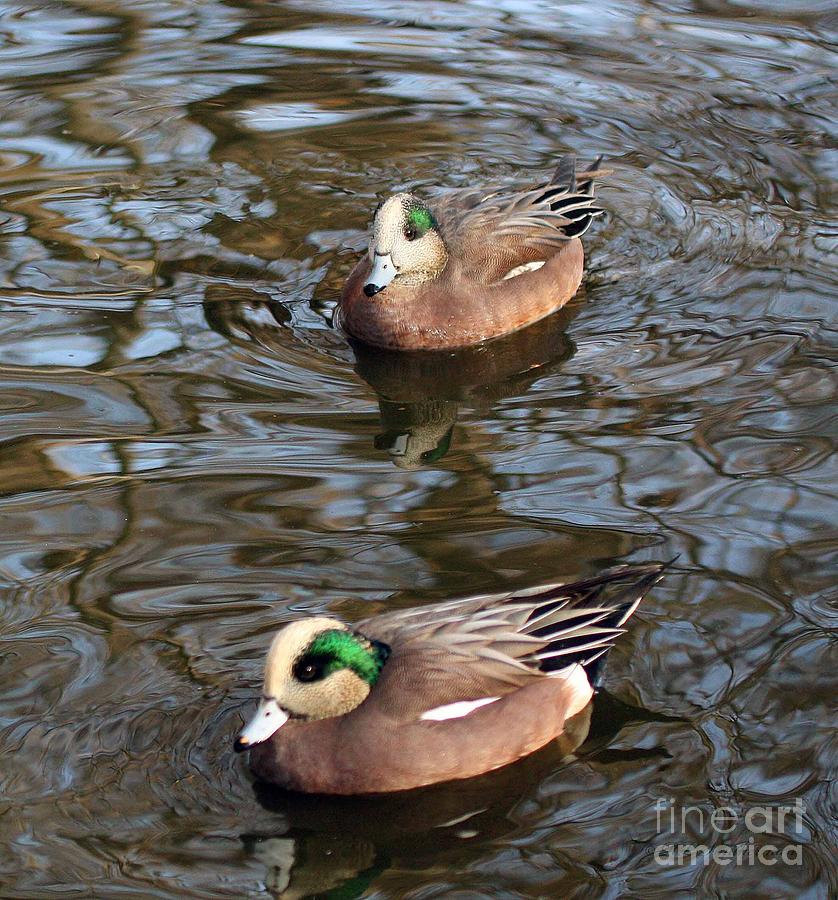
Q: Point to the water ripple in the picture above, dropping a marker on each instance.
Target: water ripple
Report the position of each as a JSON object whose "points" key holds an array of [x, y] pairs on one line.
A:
{"points": [[192, 455]]}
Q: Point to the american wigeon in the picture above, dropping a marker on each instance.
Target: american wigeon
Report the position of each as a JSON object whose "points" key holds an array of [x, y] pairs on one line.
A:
{"points": [[442, 692], [471, 264]]}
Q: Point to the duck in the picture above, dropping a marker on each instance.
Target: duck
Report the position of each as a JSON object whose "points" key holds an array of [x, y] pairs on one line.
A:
{"points": [[413, 697], [471, 264]]}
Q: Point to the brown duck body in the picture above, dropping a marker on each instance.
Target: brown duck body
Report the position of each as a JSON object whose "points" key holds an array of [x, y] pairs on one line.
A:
{"points": [[461, 306], [375, 749], [522, 664], [495, 262]]}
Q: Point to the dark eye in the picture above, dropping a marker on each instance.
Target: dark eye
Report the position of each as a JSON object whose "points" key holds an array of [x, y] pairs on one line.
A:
{"points": [[308, 672], [410, 233], [308, 669]]}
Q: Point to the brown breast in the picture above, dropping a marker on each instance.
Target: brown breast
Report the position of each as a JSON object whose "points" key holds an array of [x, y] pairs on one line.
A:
{"points": [[453, 311], [366, 752]]}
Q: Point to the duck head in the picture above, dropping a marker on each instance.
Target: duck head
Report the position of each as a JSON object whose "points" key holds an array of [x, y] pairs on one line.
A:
{"points": [[406, 244], [316, 668]]}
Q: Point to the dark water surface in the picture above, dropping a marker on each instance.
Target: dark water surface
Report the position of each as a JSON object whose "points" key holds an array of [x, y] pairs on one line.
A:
{"points": [[192, 455]]}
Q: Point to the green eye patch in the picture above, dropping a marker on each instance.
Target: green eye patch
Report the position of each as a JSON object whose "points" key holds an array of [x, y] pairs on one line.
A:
{"points": [[337, 649], [421, 219]]}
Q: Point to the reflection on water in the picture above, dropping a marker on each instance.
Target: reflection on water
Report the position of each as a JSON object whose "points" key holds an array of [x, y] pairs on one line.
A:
{"points": [[428, 827], [419, 392], [191, 455]]}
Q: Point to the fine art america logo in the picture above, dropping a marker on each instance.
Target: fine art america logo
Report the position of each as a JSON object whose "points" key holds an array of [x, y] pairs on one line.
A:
{"points": [[731, 836]]}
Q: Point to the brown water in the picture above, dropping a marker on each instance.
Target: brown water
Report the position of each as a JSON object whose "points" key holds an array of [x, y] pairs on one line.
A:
{"points": [[192, 455]]}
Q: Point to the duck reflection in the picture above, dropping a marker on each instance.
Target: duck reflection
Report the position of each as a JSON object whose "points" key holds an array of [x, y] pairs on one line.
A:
{"points": [[344, 844], [420, 392], [416, 434], [329, 843]]}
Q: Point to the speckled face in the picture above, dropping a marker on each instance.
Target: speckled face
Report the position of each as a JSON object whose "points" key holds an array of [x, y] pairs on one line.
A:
{"points": [[319, 668], [406, 244], [316, 669]]}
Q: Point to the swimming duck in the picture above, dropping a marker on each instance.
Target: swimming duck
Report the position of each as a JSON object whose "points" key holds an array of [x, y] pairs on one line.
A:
{"points": [[446, 691], [471, 264]]}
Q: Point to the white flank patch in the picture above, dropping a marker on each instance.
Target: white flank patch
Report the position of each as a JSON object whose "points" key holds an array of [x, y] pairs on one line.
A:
{"points": [[579, 690], [455, 710], [520, 270]]}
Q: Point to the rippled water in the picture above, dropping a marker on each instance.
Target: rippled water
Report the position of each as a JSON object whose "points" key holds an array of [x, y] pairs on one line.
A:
{"points": [[192, 455]]}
